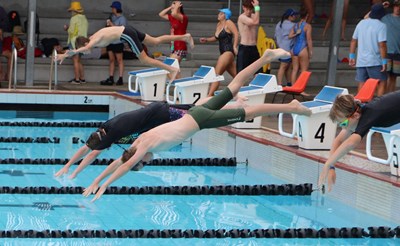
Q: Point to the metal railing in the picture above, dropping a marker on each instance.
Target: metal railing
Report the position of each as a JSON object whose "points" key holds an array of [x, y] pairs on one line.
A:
{"points": [[13, 69], [240, 6], [53, 67]]}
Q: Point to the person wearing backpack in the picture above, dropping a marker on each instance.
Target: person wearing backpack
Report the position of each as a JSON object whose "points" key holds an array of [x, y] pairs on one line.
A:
{"points": [[78, 26]]}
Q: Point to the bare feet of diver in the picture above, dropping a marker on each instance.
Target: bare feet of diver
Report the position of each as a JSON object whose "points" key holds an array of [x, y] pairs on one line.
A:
{"points": [[299, 108], [172, 74], [189, 40], [275, 54]]}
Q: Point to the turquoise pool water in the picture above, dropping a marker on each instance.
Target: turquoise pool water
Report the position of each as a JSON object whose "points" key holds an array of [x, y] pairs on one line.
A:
{"points": [[75, 212]]}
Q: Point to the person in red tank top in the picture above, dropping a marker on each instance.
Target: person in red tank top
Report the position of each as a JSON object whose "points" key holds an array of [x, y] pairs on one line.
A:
{"points": [[179, 22]]}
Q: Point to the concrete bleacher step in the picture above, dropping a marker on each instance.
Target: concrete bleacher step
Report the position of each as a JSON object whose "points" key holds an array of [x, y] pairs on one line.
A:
{"points": [[95, 70]]}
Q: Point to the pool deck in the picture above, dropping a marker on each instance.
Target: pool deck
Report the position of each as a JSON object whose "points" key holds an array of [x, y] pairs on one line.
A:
{"points": [[356, 162]]}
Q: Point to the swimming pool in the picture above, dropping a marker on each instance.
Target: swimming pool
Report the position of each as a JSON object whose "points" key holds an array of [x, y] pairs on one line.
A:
{"points": [[163, 212]]}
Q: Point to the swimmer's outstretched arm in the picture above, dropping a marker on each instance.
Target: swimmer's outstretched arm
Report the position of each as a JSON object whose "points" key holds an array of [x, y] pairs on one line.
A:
{"points": [[85, 162], [82, 151], [92, 43], [95, 185], [61, 57], [121, 171]]}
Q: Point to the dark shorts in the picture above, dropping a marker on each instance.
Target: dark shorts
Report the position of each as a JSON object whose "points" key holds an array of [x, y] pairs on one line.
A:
{"points": [[134, 38], [374, 72], [116, 48], [287, 60], [246, 56], [210, 114], [393, 65]]}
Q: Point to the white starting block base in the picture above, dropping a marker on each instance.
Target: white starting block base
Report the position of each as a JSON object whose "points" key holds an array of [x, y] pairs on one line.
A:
{"points": [[151, 82], [256, 122], [391, 137], [256, 92], [191, 94], [190, 90], [316, 131]]}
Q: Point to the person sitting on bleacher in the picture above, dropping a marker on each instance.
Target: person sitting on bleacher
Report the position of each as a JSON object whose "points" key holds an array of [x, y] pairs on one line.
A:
{"points": [[7, 45], [356, 120], [134, 38], [7, 54]]}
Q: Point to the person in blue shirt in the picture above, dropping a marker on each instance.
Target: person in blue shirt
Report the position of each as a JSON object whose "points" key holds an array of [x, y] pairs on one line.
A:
{"points": [[370, 38], [392, 22], [283, 41], [115, 50]]}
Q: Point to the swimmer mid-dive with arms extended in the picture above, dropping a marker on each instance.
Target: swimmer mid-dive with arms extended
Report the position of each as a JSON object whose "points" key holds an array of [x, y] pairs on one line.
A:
{"points": [[207, 115], [134, 38]]}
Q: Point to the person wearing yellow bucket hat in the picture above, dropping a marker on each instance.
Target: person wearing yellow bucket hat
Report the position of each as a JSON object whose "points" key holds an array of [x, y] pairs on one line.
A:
{"points": [[134, 39], [78, 26], [76, 7]]}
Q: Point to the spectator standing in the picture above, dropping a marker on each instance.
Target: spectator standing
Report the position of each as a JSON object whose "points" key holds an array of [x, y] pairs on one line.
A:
{"points": [[179, 22], [78, 26], [370, 39], [115, 50], [302, 49], [309, 7], [227, 35], [392, 22], [283, 41], [344, 19], [248, 23]]}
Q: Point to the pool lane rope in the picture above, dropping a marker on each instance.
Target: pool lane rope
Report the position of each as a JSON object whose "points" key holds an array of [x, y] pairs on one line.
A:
{"points": [[52, 124], [344, 232], [226, 162], [243, 190], [55, 140]]}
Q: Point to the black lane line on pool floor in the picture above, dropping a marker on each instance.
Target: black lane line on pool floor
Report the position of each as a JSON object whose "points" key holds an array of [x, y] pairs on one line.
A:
{"points": [[43, 206], [344, 232], [229, 161], [19, 173], [243, 190]]}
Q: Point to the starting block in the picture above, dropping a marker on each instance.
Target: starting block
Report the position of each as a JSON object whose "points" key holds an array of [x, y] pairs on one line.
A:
{"points": [[256, 92], [316, 131], [391, 137], [151, 81], [190, 90]]}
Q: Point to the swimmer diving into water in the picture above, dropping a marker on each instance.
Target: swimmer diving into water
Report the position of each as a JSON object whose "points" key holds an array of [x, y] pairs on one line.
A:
{"points": [[134, 38], [207, 115]]}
